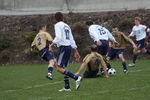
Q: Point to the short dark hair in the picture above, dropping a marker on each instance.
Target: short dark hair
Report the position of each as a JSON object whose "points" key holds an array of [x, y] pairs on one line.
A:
{"points": [[89, 22], [59, 16], [41, 26], [94, 48]]}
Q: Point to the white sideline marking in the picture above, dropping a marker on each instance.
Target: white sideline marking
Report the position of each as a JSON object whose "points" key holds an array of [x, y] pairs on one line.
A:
{"points": [[98, 92], [36, 86], [30, 87]]}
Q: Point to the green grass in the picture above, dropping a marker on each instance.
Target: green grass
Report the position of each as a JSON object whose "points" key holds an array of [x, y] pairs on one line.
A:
{"points": [[28, 82]]}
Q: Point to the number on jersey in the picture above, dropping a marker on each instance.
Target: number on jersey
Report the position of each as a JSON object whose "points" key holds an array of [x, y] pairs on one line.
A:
{"points": [[101, 31], [67, 32]]}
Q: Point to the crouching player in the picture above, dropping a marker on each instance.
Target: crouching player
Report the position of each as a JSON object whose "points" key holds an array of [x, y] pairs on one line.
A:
{"points": [[118, 49], [42, 43], [92, 61]]}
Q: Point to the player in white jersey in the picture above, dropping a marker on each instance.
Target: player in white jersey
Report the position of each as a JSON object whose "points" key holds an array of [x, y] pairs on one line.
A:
{"points": [[65, 41], [139, 31], [101, 36]]}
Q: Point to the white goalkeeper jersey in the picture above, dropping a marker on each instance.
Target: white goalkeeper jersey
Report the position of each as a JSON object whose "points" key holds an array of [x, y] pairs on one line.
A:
{"points": [[139, 32], [98, 32], [63, 35]]}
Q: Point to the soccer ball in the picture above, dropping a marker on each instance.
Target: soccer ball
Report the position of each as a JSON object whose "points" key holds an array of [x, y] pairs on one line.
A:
{"points": [[111, 71]]}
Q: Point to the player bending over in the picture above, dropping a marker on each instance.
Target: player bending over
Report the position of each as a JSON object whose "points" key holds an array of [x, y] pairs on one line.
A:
{"points": [[41, 42], [92, 61], [100, 35], [139, 31], [65, 41], [118, 49]]}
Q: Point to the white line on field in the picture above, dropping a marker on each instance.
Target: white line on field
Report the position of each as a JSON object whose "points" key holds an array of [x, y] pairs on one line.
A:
{"points": [[41, 85], [96, 92], [30, 87]]}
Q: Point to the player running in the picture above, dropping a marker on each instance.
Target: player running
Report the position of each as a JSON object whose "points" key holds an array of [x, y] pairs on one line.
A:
{"points": [[139, 31], [41, 42], [92, 61], [118, 49], [65, 41], [100, 35]]}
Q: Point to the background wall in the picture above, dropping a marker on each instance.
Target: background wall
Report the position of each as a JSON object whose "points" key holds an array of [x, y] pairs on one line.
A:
{"points": [[51, 6]]}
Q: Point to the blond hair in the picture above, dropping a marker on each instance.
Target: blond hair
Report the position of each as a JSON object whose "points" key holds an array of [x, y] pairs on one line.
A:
{"points": [[138, 19]]}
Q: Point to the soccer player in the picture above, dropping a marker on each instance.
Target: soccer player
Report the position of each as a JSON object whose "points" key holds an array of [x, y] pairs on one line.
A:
{"points": [[139, 31], [42, 43], [118, 49], [65, 41], [100, 35], [92, 62]]}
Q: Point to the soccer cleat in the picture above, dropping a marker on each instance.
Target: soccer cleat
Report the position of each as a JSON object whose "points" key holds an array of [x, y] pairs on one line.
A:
{"points": [[49, 76], [78, 82], [131, 65], [125, 71], [64, 89]]}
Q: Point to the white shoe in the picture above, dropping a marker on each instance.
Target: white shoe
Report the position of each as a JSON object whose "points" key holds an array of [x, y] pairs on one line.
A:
{"points": [[125, 71], [78, 81], [49, 76], [63, 89], [131, 65]]}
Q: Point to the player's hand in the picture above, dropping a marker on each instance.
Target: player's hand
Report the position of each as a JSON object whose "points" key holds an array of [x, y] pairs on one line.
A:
{"points": [[117, 44], [77, 55], [135, 47], [98, 43], [77, 73], [50, 49]]}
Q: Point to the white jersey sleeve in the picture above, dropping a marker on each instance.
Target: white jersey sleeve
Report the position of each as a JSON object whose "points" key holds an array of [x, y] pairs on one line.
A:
{"points": [[58, 33], [110, 37], [73, 43], [93, 34]]}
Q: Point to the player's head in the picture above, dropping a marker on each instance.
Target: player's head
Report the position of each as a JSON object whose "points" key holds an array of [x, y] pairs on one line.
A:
{"points": [[137, 20], [59, 16], [115, 30], [88, 23], [93, 48], [42, 27]]}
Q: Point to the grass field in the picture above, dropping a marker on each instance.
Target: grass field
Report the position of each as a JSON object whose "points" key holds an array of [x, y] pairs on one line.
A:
{"points": [[28, 82]]}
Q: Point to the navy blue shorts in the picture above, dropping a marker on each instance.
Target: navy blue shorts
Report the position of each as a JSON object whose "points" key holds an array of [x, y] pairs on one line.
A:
{"points": [[46, 55], [103, 49], [140, 43], [92, 74], [112, 53], [63, 56]]}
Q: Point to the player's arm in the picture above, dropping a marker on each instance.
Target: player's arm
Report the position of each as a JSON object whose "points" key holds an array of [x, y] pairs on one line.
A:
{"points": [[33, 44], [57, 37], [129, 40], [83, 65], [103, 64], [110, 36], [50, 39], [132, 33]]}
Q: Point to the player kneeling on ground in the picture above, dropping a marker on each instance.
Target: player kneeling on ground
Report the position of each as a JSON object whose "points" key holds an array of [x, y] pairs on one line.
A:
{"points": [[41, 42], [92, 62], [117, 49]]}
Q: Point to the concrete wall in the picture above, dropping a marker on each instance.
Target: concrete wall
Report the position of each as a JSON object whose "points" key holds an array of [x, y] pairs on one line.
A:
{"points": [[50, 6], [107, 5]]}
